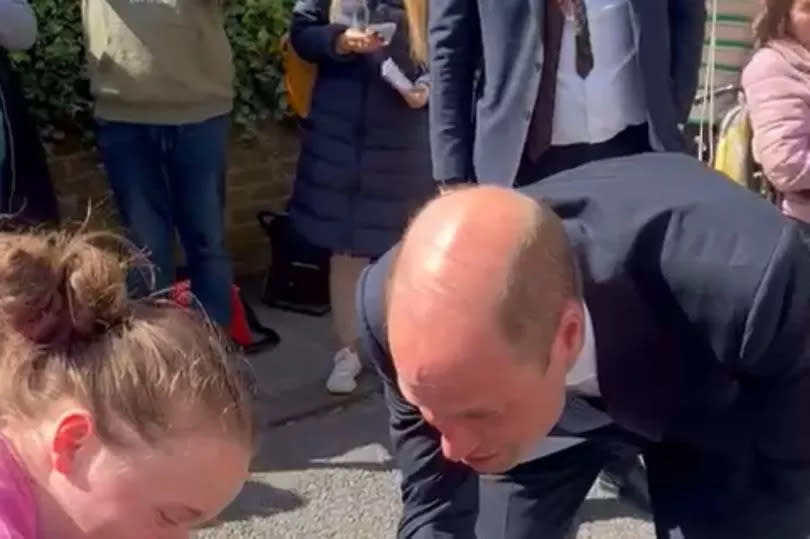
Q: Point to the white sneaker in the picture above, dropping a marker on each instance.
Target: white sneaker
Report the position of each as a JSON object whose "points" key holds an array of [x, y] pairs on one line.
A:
{"points": [[343, 375]]}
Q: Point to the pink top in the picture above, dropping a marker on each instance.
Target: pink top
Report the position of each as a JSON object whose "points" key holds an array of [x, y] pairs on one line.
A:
{"points": [[18, 513], [777, 89]]}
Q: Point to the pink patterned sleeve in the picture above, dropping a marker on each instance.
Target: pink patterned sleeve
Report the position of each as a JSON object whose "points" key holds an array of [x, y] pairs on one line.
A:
{"points": [[18, 514]]}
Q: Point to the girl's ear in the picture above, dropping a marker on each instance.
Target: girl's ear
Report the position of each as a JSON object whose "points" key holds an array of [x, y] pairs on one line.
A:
{"points": [[72, 432]]}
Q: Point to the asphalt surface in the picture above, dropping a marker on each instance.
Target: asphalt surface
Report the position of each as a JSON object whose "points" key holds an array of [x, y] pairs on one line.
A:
{"points": [[331, 476]]}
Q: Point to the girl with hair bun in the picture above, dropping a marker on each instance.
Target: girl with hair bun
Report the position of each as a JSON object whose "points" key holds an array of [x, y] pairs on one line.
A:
{"points": [[118, 418]]}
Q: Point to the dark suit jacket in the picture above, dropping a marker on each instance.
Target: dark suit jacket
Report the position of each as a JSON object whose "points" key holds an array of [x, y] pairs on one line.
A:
{"points": [[483, 137], [712, 347], [26, 190]]}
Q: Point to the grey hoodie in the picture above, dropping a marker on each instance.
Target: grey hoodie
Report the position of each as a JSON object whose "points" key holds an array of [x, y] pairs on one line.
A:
{"points": [[18, 25], [18, 31]]}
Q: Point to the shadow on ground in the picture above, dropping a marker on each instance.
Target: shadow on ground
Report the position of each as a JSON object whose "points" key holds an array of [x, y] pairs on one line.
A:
{"points": [[259, 500], [599, 509], [330, 441]]}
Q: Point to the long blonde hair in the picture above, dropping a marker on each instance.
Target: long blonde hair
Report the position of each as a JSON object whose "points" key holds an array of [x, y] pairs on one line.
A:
{"points": [[416, 12]]}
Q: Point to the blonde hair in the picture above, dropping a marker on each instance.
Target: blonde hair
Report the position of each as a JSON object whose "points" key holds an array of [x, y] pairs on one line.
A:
{"points": [[68, 329], [416, 12]]}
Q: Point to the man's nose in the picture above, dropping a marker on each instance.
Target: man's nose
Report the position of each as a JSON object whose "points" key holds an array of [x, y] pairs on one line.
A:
{"points": [[457, 444]]}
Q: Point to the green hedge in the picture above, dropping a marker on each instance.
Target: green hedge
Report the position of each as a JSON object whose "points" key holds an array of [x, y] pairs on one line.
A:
{"points": [[55, 81]]}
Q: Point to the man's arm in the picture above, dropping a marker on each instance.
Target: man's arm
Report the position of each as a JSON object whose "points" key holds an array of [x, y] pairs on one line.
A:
{"points": [[454, 37], [687, 28], [18, 25], [440, 497], [775, 355]]}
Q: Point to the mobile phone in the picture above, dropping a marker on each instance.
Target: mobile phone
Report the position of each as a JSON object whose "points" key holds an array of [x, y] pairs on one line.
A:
{"points": [[385, 30]]}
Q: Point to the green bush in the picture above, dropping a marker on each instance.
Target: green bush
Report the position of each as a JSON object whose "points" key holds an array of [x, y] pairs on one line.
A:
{"points": [[55, 79]]}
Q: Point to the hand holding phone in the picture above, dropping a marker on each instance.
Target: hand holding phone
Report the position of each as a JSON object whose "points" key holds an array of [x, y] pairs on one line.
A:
{"points": [[385, 31], [357, 42]]}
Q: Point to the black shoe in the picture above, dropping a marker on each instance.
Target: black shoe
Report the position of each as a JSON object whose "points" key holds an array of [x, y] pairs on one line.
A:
{"points": [[627, 480]]}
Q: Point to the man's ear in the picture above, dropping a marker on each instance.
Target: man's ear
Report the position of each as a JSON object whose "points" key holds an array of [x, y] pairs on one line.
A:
{"points": [[570, 336], [73, 430]]}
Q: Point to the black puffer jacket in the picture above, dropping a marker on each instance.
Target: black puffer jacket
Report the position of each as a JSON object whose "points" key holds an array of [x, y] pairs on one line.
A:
{"points": [[364, 167]]}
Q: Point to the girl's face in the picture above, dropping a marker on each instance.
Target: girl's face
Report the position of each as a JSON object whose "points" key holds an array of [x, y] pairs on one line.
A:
{"points": [[800, 21], [160, 491]]}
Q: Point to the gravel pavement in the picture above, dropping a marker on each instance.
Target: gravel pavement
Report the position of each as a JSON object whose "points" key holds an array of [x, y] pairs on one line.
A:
{"points": [[332, 477]]}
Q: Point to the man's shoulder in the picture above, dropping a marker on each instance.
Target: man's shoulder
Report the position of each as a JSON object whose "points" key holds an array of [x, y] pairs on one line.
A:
{"points": [[371, 300], [671, 215]]}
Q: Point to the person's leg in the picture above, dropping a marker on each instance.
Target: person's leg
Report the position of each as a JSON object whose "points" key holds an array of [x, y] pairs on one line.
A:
{"points": [[197, 167], [344, 271], [726, 496], [539, 498], [133, 160]]}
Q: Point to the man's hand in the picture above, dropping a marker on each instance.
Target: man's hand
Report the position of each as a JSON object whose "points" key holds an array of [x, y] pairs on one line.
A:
{"points": [[357, 42], [417, 97]]}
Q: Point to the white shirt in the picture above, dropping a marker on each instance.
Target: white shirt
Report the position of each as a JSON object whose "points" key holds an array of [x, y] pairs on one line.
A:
{"points": [[611, 97], [581, 379]]}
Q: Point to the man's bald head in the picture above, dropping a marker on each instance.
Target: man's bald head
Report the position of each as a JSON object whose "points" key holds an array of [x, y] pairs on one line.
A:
{"points": [[490, 251]]}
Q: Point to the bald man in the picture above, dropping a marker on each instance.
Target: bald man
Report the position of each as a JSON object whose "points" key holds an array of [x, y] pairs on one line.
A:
{"points": [[527, 338]]}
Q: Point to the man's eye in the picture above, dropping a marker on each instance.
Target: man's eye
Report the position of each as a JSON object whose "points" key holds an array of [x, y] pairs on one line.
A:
{"points": [[164, 518], [479, 415]]}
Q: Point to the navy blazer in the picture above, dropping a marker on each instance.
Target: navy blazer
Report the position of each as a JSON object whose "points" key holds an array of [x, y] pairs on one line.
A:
{"points": [[712, 347], [480, 133]]}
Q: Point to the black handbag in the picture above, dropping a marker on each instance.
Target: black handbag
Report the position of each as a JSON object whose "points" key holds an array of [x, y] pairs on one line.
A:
{"points": [[298, 277]]}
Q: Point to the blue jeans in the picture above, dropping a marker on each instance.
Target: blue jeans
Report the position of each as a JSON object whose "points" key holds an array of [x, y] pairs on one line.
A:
{"points": [[167, 176]]}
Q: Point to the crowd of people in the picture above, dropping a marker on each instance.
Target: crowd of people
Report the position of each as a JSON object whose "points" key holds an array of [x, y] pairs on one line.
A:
{"points": [[548, 286]]}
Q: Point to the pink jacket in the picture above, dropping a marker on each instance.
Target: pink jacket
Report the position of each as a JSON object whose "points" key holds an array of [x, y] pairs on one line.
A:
{"points": [[18, 514], [777, 88]]}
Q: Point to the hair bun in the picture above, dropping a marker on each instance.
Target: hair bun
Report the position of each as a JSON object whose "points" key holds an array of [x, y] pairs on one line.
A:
{"points": [[95, 286], [57, 288]]}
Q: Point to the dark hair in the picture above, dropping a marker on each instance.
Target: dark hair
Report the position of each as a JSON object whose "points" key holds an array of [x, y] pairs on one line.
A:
{"points": [[773, 21]]}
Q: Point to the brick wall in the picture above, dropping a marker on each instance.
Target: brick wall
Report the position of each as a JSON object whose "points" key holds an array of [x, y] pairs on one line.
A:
{"points": [[259, 177]]}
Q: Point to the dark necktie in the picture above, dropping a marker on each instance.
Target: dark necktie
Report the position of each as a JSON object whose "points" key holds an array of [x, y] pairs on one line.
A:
{"points": [[539, 138], [584, 50]]}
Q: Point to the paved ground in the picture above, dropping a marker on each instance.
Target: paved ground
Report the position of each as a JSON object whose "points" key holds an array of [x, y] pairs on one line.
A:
{"points": [[324, 470]]}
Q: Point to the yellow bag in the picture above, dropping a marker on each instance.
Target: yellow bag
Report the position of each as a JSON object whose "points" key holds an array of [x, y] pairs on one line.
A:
{"points": [[734, 155], [299, 78], [733, 151]]}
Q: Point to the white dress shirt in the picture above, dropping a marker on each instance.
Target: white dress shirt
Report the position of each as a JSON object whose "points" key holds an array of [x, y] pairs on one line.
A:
{"points": [[611, 97], [581, 379]]}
